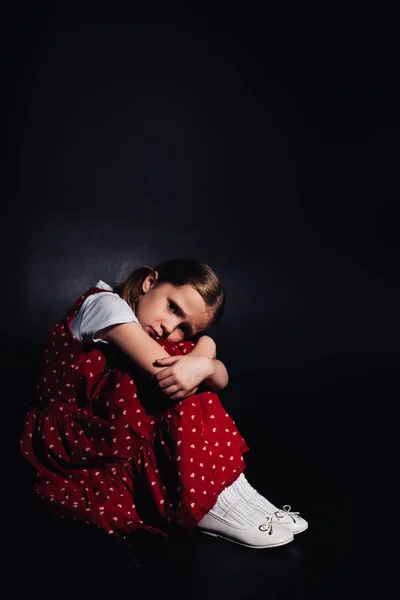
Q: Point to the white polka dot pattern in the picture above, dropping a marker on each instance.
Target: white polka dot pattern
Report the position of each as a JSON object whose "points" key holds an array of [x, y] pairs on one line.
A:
{"points": [[104, 458]]}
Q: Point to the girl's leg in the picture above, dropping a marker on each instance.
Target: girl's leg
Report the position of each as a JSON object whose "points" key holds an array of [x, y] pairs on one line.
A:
{"points": [[235, 520], [261, 505]]}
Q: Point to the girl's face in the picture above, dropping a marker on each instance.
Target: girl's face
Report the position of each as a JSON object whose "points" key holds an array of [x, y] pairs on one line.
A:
{"points": [[166, 311]]}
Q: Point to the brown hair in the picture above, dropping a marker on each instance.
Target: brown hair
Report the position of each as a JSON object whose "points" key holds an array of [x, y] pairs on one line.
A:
{"points": [[178, 272]]}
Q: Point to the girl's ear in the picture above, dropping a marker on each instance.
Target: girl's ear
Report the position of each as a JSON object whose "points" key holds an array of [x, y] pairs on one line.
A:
{"points": [[150, 281]]}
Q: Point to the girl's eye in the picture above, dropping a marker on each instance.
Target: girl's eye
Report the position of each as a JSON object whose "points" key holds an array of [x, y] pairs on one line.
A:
{"points": [[172, 307]]}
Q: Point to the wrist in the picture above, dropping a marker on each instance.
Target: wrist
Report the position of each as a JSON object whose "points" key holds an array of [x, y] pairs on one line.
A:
{"points": [[209, 367]]}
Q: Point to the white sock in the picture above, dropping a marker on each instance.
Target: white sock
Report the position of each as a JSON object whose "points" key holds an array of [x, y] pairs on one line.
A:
{"points": [[239, 511], [255, 500]]}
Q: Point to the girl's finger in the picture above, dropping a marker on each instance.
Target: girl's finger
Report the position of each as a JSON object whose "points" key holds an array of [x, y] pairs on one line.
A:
{"points": [[167, 382], [171, 390], [167, 360], [167, 372], [178, 395], [193, 391]]}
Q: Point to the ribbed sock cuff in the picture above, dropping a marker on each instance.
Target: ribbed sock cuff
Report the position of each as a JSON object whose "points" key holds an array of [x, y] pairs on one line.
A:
{"points": [[252, 497]]}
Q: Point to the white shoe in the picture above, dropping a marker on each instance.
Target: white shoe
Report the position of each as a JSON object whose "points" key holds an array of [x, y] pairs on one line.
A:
{"points": [[266, 535], [289, 519], [285, 516]]}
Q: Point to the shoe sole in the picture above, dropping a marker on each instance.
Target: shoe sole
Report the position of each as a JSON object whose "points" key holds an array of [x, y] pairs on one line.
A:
{"points": [[300, 530], [242, 543]]}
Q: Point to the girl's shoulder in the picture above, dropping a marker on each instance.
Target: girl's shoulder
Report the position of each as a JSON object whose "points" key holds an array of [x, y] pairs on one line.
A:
{"points": [[102, 308], [105, 300], [102, 285], [99, 288]]}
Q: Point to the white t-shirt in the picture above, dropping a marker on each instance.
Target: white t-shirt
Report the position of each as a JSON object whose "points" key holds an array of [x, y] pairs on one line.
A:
{"points": [[99, 311]]}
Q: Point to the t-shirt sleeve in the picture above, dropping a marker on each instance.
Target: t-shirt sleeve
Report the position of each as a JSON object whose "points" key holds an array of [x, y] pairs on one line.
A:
{"points": [[99, 311]]}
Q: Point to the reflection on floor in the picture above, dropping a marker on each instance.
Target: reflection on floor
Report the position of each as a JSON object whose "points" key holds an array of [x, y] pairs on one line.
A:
{"points": [[323, 562], [329, 455]]}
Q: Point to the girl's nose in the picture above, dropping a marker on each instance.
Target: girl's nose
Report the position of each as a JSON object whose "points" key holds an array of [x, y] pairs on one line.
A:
{"points": [[169, 324], [167, 328]]}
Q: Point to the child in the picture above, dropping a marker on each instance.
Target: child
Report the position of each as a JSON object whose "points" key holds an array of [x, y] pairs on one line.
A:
{"points": [[127, 431]]}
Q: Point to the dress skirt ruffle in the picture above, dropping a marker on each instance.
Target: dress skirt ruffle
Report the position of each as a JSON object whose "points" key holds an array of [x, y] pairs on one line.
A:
{"points": [[106, 451]]}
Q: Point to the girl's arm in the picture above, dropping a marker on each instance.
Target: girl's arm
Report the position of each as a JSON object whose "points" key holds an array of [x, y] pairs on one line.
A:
{"points": [[219, 378], [205, 346], [150, 356], [136, 344]]}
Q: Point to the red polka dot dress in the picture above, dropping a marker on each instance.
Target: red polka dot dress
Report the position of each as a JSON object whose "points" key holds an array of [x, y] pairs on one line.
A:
{"points": [[107, 451]]}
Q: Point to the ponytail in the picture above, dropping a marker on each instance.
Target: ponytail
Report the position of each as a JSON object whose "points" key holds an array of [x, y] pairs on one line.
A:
{"points": [[131, 290]]}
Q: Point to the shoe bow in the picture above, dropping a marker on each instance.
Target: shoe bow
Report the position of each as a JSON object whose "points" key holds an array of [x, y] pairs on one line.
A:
{"points": [[267, 526], [286, 510]]}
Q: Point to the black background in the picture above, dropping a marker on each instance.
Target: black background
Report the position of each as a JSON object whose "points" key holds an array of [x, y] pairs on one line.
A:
{"points": [[267, 147]]}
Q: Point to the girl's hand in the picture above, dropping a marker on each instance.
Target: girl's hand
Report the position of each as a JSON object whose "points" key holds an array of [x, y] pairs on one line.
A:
{"points": [[182, 374]]}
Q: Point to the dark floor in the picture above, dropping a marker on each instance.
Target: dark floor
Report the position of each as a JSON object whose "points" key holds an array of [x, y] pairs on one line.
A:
{"points": [[343, 554], [337, 467]]}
